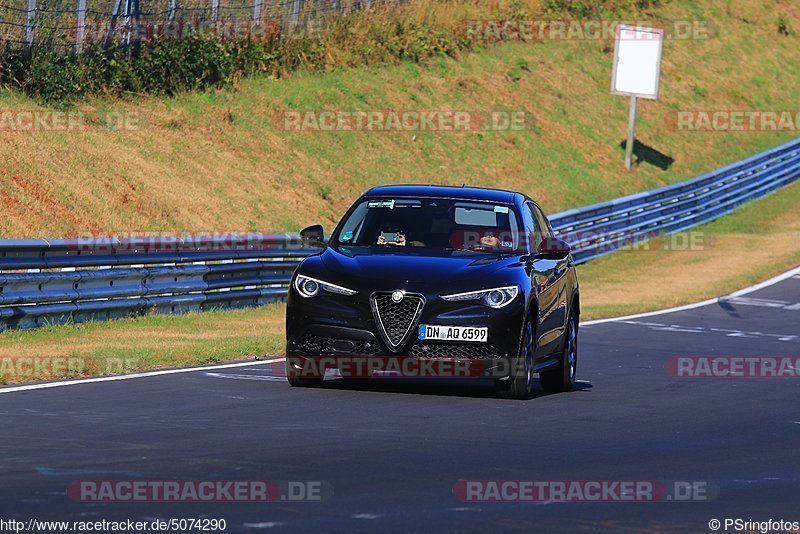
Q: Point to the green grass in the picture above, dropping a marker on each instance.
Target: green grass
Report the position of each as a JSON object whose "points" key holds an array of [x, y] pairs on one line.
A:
{"points": [[144, 343]]}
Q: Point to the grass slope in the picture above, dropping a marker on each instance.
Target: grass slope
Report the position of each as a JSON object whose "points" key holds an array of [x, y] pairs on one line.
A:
{"points": [[220, 161]]}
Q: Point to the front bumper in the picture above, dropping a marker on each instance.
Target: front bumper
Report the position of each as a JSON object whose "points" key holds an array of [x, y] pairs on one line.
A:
{"points": [[340, 331]]}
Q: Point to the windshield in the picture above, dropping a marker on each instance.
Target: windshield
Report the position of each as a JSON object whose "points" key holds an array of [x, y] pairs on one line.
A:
{"points": [[431, 223]]}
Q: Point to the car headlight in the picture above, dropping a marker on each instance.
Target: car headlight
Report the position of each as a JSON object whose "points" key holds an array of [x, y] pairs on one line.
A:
{"points": [[309, 287], [494, 298]]}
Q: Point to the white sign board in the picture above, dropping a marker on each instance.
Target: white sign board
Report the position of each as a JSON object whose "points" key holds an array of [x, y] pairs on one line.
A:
{"points": [[637, 61]]}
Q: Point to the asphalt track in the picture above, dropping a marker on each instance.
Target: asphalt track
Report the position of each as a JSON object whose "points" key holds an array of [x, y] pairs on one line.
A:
{"points": [[393, 450]]}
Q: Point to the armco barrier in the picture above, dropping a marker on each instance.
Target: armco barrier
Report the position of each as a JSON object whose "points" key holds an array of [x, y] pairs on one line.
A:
{"points": [[602, 228], [58, 281]]}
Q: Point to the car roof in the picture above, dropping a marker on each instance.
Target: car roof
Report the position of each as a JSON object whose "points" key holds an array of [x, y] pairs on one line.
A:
{"points": [[442, 191]]}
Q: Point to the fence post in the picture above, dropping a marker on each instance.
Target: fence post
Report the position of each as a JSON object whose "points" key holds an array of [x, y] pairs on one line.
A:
{"points": [[295, 12], [131, 20], [214, 10], [135, 18], [80, 24], [112, 25], [30, 24], [256, 28]]}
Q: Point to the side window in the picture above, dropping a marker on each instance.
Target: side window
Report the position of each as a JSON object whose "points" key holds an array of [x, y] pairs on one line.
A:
{"points": [[533, 225], [544, 225]]}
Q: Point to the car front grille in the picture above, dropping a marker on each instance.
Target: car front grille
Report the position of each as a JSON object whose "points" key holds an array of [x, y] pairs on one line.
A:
{"points": [[328, 345], [396, 320], [455, 351]]}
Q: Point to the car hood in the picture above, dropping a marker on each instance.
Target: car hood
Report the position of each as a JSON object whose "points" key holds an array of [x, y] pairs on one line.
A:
{"points": [[368, 268]]}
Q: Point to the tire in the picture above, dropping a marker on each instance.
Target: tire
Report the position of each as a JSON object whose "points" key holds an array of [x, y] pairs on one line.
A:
{"points": [[561, 377], [305, 382], [520, 385]]}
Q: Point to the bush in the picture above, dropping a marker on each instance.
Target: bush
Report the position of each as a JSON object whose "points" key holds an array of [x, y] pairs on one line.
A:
{"points": [[156, 67]]}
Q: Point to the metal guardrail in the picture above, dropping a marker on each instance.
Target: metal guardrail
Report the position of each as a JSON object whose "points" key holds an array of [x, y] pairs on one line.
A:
{"points": [[599, 229], [60, 281]]}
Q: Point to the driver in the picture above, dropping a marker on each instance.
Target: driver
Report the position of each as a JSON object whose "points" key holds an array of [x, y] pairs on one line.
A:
{"points": [[496, 239], [490, 240]]}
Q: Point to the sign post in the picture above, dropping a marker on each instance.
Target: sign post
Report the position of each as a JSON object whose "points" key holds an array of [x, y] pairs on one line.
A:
{"points": [[631, 136], [636, 71]]}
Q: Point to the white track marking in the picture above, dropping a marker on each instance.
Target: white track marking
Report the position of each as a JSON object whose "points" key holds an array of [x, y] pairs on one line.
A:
{"points": [[794, 273], [656, 327], [274, 378], [46, 385], [763, 303], [678, 328]]}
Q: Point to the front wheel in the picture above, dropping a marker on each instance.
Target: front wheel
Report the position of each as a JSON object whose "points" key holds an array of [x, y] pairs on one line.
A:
{"points": [[520, 385], [302, 378], [561, 377]]}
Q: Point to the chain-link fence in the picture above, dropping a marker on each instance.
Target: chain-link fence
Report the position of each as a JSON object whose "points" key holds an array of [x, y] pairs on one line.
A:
{"points": [[71, 25]]}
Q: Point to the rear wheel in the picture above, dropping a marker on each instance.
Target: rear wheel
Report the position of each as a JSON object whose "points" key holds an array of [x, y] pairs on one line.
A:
{"points": [[561, 377], [520, 385], [302, 378]]}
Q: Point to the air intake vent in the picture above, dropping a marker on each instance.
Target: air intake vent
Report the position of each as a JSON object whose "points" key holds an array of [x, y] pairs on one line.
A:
{"points": [[396, 318]]}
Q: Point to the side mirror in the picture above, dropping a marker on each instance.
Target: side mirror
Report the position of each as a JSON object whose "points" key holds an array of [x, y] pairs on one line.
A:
{"points": [[313, 236], [553, 248]]}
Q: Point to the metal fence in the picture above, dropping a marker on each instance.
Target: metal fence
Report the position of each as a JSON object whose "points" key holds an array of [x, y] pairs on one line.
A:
{"points": [[59, 281], [75, 24]]}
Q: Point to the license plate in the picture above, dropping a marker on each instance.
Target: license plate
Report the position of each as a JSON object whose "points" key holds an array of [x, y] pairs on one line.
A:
{"points": [[473, 334]]}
